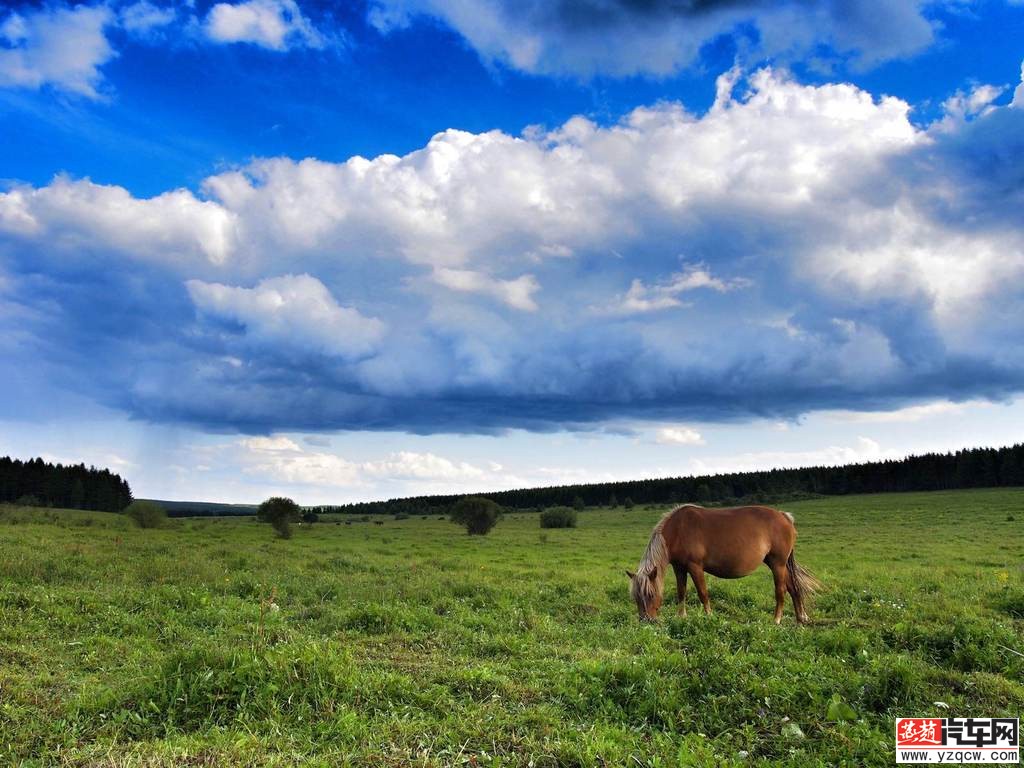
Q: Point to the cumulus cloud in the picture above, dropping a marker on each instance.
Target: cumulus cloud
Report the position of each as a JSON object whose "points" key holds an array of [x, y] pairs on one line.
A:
{"points": [[964, 105], [863, 450], [65, 46], [291, 312], [515, 293], [938, 410], [59, 46], [275, 24], [665, 295], [281, 459], [80, 216], [678, 435], [836, 256], [273, 444], [143, 18], [624, 37]]}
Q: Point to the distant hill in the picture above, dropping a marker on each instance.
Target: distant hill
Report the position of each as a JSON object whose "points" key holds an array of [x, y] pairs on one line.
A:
{"points": [[204, 508]]}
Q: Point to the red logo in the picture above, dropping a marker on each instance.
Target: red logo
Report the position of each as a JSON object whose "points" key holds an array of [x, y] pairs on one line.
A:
{"points": [[918, 731]]}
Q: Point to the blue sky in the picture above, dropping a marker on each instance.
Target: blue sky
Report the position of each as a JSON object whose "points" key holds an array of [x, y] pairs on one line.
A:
{"points": [[347, 251]]}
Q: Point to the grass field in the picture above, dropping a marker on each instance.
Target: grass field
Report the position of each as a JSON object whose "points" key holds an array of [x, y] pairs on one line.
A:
{"points": [[410, 643]]}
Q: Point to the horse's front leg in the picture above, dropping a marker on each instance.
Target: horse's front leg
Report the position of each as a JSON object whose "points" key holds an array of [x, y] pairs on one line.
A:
{"points": [[680, 588], [697, 574]]}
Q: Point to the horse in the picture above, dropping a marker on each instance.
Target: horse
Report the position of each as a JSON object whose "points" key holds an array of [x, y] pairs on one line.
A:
{"points": [[728, 543]]}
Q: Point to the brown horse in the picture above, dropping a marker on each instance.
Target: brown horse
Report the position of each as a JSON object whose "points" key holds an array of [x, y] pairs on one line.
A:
{"points": [[728, 543]]}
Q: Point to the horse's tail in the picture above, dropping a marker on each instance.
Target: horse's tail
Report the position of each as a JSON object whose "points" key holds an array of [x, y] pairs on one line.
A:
{"points": [[804, 585]]}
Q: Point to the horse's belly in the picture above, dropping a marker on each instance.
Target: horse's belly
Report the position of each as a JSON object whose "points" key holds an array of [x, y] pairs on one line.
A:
{"points": [[732, 567], [730, 572]]}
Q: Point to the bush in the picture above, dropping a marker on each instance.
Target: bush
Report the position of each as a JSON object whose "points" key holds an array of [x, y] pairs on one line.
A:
{"points": [[310, 517], [478, 514], [280, 512], [401, 516], [28, 500], [558, 517], [147, 514], [578, 504]]}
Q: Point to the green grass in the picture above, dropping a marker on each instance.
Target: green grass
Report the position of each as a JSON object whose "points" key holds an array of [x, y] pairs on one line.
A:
{"points": [[410, 643]]}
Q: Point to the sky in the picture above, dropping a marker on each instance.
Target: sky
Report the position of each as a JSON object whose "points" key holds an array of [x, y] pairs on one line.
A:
{"points": [[348, 251]]}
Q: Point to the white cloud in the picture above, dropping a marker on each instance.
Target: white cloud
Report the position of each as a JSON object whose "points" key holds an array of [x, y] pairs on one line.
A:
{"points": [[941, 409], [291, 312], [678, 436], [59, 46], [143, 17], [272, 444], [422, 466], [275, 24], [865, 449], [964, 105], [643, 298], [517, 293], [281, 459], [65, 46], [79, 216]]}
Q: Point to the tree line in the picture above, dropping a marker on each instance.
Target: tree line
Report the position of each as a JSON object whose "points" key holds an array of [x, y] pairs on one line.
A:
{"points": [[969, 468], [39, 483]]}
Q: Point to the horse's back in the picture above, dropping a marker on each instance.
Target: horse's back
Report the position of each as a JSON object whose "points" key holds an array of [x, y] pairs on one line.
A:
{"points": [[754, 514], [731, 541]]}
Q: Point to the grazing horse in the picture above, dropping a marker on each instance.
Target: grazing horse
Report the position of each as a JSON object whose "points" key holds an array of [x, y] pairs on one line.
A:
{"points": [[728, 543]]}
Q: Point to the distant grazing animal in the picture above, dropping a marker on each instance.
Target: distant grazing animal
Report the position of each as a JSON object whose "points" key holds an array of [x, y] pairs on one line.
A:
{"points": [[728, 543]]}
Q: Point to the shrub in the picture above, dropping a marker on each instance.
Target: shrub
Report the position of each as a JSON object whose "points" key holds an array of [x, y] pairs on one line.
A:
{"points": [[280, 512], [401, 516], [578, 504], [628, 503], [558, 517], [478, 514], [147, 514], [28, 500], [310, 517]]}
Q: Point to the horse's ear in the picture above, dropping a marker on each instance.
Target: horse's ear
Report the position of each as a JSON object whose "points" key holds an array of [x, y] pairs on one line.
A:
{"points": [[630, 574], [653, 574]]}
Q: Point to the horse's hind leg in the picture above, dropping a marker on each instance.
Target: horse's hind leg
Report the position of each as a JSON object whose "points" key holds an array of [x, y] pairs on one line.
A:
{"points": [[681, 588], [797, 598], [781, 584], [697, 574]]}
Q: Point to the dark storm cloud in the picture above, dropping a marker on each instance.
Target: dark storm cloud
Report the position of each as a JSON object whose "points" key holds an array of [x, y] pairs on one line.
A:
{"points": [[622, 37]]}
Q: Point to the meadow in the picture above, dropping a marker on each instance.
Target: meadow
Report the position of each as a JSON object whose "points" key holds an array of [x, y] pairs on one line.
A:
{"points": [[211, 643]]}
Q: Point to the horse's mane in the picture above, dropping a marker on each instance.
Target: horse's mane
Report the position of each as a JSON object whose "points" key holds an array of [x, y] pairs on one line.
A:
{"points": [[655, 560]]}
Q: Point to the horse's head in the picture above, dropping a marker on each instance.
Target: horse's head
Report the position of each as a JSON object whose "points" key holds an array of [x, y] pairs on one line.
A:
{"points": [[646, 593]]}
